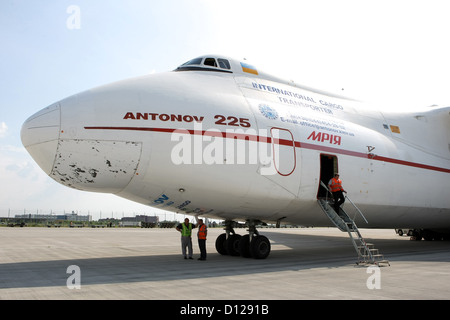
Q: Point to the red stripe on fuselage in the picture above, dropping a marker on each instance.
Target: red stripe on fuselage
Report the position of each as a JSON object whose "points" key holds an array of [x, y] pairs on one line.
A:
{"points": [[303, 145]]}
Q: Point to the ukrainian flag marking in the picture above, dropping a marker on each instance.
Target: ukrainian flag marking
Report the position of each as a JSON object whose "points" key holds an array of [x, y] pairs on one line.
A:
{"points": [[248, 68]]}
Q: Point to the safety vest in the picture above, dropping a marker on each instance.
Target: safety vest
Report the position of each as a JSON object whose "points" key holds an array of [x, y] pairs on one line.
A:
{"points": [[186, 232], [202, 232], [336, 185]]}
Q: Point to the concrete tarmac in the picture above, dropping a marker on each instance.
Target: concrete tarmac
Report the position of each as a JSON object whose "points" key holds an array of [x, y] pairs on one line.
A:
{"points": [[315, 263]]}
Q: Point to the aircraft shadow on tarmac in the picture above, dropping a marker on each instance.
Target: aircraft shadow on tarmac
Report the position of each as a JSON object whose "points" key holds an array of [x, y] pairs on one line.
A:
{"points": [[306, 252]]}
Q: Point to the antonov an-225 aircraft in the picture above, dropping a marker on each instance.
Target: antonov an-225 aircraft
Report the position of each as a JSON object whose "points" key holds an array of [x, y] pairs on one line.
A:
{"points": [[218, 138]]}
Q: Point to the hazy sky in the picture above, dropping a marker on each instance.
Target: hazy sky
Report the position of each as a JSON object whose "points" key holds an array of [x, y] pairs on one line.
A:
{"points": [[394, 53]]}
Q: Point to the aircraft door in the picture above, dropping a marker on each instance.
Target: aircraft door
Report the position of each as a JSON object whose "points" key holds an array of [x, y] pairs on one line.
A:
{"points": [[328, 167], [278, 160], [283, 151]]}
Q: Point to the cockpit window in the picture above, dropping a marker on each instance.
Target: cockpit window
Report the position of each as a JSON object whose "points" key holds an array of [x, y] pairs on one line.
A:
{"points": [[193, 62], [206, 64], [210, 62], [224, 64]]}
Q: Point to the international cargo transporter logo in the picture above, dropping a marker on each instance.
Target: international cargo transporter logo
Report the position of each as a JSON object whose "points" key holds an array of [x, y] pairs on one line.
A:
{"points": [[268, 112]]}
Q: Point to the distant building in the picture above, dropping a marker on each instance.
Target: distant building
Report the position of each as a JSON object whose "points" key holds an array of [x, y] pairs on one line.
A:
{"points": [[32, 216], [74, 217], [137, 221], [67, 217]]}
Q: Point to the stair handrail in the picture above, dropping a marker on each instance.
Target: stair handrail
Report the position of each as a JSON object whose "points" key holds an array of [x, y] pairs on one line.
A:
{"points": [[357, 209], [326, 188]]}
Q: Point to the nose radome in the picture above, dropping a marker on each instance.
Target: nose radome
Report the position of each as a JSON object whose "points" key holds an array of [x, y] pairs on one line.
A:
{"points": [[40, 134]]}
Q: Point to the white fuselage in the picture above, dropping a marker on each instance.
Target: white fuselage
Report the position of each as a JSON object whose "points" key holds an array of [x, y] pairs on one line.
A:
{"points": [[241, 146]]}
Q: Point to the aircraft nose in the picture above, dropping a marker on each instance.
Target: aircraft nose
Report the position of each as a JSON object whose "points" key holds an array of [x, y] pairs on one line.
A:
{"points": [[40, 134]]}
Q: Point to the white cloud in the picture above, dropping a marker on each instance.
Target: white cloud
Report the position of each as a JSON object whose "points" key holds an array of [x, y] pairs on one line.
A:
{"points": [[3, 129], [20, 179]]}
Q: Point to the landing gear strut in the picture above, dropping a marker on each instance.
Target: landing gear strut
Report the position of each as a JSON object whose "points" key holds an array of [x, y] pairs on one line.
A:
{"points": [[250, 245]]}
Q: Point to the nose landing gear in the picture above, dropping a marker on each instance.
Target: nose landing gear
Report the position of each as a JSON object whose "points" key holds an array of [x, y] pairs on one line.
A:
{"points": [[251, 245]]}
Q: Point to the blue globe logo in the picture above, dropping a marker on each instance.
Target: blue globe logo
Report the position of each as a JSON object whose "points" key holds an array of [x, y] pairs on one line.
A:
{"points": [[268, 112]]}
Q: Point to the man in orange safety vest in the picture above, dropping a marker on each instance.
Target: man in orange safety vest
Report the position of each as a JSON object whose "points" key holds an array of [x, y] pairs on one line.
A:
{"points": [[336, 189], [201, 234]]}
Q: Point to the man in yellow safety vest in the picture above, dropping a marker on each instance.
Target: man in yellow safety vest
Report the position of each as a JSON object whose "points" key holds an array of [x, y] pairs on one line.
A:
{"points": [[186, 240]]}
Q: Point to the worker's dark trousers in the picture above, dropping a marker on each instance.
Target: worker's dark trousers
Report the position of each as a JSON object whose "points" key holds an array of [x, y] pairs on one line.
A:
{"points": [[338, 200], [202, 246], [186, 241]]}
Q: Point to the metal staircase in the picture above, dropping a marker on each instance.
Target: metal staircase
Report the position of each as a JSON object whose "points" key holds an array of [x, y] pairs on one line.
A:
{"points": [[367, 253]]}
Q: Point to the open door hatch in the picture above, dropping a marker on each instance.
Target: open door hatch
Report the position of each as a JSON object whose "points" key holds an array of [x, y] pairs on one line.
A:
{"points": [[328, 167]]}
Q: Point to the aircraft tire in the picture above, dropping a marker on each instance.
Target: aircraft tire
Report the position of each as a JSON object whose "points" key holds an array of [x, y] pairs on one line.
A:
{"points": [[260, 247], [244, 246], [220, 244], [416, 235], [232, 244]]}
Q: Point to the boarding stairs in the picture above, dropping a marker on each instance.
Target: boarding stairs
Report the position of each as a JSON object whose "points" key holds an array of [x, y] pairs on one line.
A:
{"points": [[367, 253]]}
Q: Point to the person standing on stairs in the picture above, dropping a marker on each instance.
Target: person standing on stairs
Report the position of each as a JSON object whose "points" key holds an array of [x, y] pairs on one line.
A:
{"points": [[335, 185]]}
